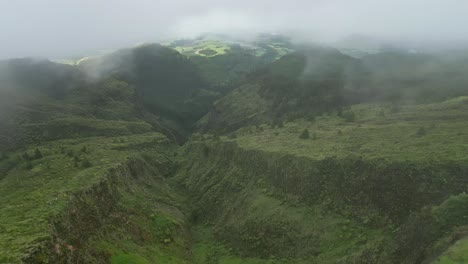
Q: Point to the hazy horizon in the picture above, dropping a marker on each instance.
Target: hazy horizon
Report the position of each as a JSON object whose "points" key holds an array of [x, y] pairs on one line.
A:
{"points": [[58, 29]]}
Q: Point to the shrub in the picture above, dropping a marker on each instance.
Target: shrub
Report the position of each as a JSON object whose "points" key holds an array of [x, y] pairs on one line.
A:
{"points": [[26, 156], [304, 134], [349, 116], [339, 112], [70, 153], [3, 156], [37, 154], [311, 118], [206, 151], [84, 149], [421, 132], [29, 165], [277, 123], [86, 164]]}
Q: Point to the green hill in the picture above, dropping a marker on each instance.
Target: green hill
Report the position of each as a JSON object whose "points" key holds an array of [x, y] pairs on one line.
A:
{"points": [[212, 151]]}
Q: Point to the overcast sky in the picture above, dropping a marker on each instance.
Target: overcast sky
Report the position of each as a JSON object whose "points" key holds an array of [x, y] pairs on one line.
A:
{"points": [[61, 28]]}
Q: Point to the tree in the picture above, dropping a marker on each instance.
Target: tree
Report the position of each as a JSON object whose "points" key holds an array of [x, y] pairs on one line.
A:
{"points": [[3, 156], [29, 165], [304, 134], [84, 149], [26, 156], [37, 154]]}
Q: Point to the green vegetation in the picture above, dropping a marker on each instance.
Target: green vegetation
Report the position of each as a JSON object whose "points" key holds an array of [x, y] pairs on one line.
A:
{"points": [[304, 134], [208, 48], [458, 253], [39, 194], [396, 136], [314, 157]]}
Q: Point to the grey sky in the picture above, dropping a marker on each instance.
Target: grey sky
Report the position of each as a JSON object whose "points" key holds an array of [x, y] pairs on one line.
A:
{"points": [[59, 28]]}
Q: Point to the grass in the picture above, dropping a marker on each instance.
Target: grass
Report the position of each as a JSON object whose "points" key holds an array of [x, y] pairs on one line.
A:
{"points": [[212, 48], [128, 259], [377, 131], [243, 218], [207, 250], [34, 195], [206, 48], [305, 230], [457, 254]]}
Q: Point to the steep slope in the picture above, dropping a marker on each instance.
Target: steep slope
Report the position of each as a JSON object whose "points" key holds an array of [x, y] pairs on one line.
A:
{"points": [[306, 83], [165, 82], [92, 199], [317, 80], [82, 171], [58, 101], [224, 62], [370, 190]]}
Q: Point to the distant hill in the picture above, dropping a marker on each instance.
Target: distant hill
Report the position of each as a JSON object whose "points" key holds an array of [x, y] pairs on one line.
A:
{"points": [[306, 83], [317, 80]]}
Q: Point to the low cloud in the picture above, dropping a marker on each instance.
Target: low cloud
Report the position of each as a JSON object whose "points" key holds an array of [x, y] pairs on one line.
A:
{"points": [[57, 28]]}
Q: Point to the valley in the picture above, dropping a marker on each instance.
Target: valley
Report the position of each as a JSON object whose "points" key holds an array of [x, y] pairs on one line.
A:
{"points": [[212, 152]]}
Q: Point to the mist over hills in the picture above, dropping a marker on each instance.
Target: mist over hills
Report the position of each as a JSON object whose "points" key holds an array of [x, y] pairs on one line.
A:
{"points": [[218, 149]]}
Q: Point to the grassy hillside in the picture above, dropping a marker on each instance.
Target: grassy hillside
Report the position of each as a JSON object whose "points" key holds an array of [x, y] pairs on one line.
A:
{"points": [[317, 80], [224, 63], [426, 132], [49, 191], [316, 157], [305, 83], [391, 180]]}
